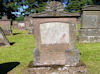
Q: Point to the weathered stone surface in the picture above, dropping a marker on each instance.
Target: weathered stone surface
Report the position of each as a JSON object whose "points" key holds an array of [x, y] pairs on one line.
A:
{"points": [[56, 57], [62, 39], [54, 6], [54, 32], [27, 21], [89, 32], [91, 19], [29, 25], [15, 24], [90, 25], [89, 39], [5, 24], [57, 69], [3, 39]]}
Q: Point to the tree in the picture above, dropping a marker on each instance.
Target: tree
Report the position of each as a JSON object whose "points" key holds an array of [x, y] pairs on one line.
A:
{"points": [[9, 6], [37, 5], [76, 5]]}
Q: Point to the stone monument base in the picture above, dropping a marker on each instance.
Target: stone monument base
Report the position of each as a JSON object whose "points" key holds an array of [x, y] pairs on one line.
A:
{"points": [[57, 69], [89, 35]]}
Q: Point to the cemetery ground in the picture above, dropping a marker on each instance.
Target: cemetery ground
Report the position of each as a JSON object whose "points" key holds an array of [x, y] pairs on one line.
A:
{"points": [[21, 52]]}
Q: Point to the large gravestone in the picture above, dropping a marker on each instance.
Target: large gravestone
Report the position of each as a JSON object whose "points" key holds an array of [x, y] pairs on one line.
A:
{"points": [[5, 24], [55, 52], [90, 24], [3, 39]]}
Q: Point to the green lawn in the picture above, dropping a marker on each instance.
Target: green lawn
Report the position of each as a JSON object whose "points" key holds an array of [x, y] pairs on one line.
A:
{"points": [[22, 50]]}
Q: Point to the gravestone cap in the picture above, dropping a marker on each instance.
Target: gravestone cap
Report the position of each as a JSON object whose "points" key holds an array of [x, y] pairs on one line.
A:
{"points": [[54, 6], [91, 8], [54, 9]]}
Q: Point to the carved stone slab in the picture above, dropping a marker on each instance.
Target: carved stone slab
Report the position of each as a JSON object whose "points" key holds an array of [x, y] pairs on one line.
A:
{"points": [[5, 24], [3, 39]]}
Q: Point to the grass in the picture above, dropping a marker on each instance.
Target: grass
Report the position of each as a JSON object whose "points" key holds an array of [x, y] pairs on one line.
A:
{"points": [[90, 55], [22, 50]]}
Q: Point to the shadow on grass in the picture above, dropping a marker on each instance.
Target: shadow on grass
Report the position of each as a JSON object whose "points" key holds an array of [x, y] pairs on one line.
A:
{"points": [[12, 43], [16, 33], [6, 67]]}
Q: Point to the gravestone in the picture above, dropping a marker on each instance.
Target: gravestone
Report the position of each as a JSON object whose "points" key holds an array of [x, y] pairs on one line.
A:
{"points": [[90, 24], [3, 39], [54, 33], [21, 26], [27, 21], [5, 24], [15, 24], [29, 26]]}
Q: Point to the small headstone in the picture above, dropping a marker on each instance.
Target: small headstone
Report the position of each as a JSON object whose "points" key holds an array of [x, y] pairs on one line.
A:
{"points": [[29, 26], [5, 24], [55, 39], [15, 24], [21, 25], [3, 39], [90, 25], [27, 21]]}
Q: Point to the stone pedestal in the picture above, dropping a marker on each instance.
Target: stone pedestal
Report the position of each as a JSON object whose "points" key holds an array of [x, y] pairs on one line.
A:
{"points": [[80, 68], [90, 25]]}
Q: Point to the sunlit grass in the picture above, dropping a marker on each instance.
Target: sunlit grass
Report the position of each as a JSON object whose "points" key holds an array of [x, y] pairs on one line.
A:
{"points": [[20, 51]]}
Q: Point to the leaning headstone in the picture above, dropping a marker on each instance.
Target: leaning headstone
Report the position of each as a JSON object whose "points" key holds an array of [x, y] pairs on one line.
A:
{"points": [[90, 24], [5, 24], [3, 39], [55, 52]]}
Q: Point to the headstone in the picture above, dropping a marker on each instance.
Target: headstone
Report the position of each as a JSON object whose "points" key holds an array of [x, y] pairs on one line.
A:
{"points": [[55, 39], [29, 26], [15, 24], [21, 25], [3, 39], [27, 21], [90, 24], [5, 24]]}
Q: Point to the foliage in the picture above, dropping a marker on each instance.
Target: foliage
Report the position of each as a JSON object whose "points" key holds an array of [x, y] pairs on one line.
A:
{"points": [[76, 5], [35, 5], [21, 18]]}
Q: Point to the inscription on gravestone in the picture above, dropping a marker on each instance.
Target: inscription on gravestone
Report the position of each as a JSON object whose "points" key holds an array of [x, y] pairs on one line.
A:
{"points": [[54, 33]]}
